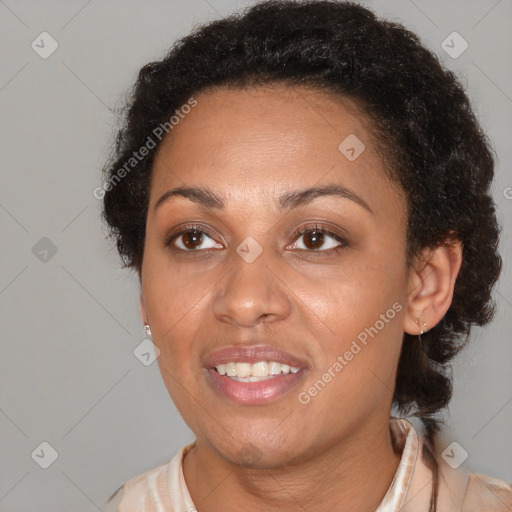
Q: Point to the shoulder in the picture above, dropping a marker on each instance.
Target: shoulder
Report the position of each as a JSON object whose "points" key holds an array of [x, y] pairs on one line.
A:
{"points": [[132, 494], [152, 488], [112, 504], [488, 494]]}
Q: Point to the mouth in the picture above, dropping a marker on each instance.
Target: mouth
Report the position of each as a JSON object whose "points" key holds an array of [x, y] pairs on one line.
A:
{"points": [[254, 374], [254, 390]]}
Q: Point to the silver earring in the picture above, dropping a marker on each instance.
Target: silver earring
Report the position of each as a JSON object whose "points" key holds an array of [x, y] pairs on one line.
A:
{"points": [[147, 330], [421, 330]]}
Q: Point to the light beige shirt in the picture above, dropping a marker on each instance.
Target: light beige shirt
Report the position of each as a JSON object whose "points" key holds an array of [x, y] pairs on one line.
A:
{"points": [[163, 489]]}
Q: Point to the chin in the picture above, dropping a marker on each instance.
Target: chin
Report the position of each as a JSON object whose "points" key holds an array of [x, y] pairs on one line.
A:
{"points": [[260, 452]]}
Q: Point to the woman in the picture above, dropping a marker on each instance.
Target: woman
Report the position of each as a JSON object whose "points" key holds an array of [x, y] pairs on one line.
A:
{"points": [[303, 191]]}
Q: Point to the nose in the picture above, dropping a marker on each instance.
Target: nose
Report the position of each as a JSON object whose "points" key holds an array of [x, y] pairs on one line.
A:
{"points": [[251, 293]]}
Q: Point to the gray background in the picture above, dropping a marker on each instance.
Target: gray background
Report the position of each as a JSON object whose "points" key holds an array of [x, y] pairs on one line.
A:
{"points": [[70, 324]]}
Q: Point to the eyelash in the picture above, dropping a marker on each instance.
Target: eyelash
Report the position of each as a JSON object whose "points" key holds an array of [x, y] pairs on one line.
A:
{"points": [[317, 228]]}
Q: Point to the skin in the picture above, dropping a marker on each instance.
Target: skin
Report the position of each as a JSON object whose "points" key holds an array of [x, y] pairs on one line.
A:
{"points": [[249, 147]]}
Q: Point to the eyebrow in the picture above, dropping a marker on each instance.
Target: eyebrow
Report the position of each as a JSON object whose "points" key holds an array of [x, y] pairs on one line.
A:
{"points": [[287, 201]]}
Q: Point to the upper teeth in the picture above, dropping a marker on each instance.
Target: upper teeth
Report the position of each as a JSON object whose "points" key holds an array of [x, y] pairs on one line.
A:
{"points": [[259, 369]]}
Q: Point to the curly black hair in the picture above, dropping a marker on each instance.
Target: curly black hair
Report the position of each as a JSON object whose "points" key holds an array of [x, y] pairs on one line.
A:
{"points": [[427, 134]]}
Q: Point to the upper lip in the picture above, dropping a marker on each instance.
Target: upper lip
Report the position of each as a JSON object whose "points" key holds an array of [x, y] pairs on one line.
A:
{"points": [[253, 354]]}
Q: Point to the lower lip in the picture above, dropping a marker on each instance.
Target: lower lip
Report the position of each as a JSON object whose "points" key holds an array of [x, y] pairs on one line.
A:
{"points": [[254, 392]]}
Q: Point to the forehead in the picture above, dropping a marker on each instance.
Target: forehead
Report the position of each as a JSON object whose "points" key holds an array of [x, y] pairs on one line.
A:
{"points": [[268, 140]]}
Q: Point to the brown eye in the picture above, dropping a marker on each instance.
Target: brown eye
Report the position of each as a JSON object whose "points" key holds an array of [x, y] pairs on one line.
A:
{"points": [[192, 238], [313, 239]]}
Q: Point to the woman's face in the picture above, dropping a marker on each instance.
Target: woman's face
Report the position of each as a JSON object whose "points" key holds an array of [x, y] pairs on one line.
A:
{"points": [[334, 302]]}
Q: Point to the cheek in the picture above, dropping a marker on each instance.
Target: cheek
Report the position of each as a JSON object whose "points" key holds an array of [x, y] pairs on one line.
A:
{"points": [[175, 308], [358, 368], [364, 312], [355, 296], [171, 295]]}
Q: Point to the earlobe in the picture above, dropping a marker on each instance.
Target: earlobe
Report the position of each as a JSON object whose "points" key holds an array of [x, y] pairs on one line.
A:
{"points": [[142, 309], [431, 285], [144, 317]]}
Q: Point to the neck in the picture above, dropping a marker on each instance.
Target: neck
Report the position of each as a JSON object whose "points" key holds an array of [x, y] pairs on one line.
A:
{"points": [[356, 473]]}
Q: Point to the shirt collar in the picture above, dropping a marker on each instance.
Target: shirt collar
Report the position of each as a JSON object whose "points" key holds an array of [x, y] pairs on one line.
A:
{"points": [[406, 440]]}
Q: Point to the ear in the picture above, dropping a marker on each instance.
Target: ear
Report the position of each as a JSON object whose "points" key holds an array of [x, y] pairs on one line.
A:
{"points": [[430, 288]]}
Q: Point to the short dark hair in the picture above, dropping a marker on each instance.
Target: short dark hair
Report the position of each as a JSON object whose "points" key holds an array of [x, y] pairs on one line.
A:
{"points": [[429, 137]]}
